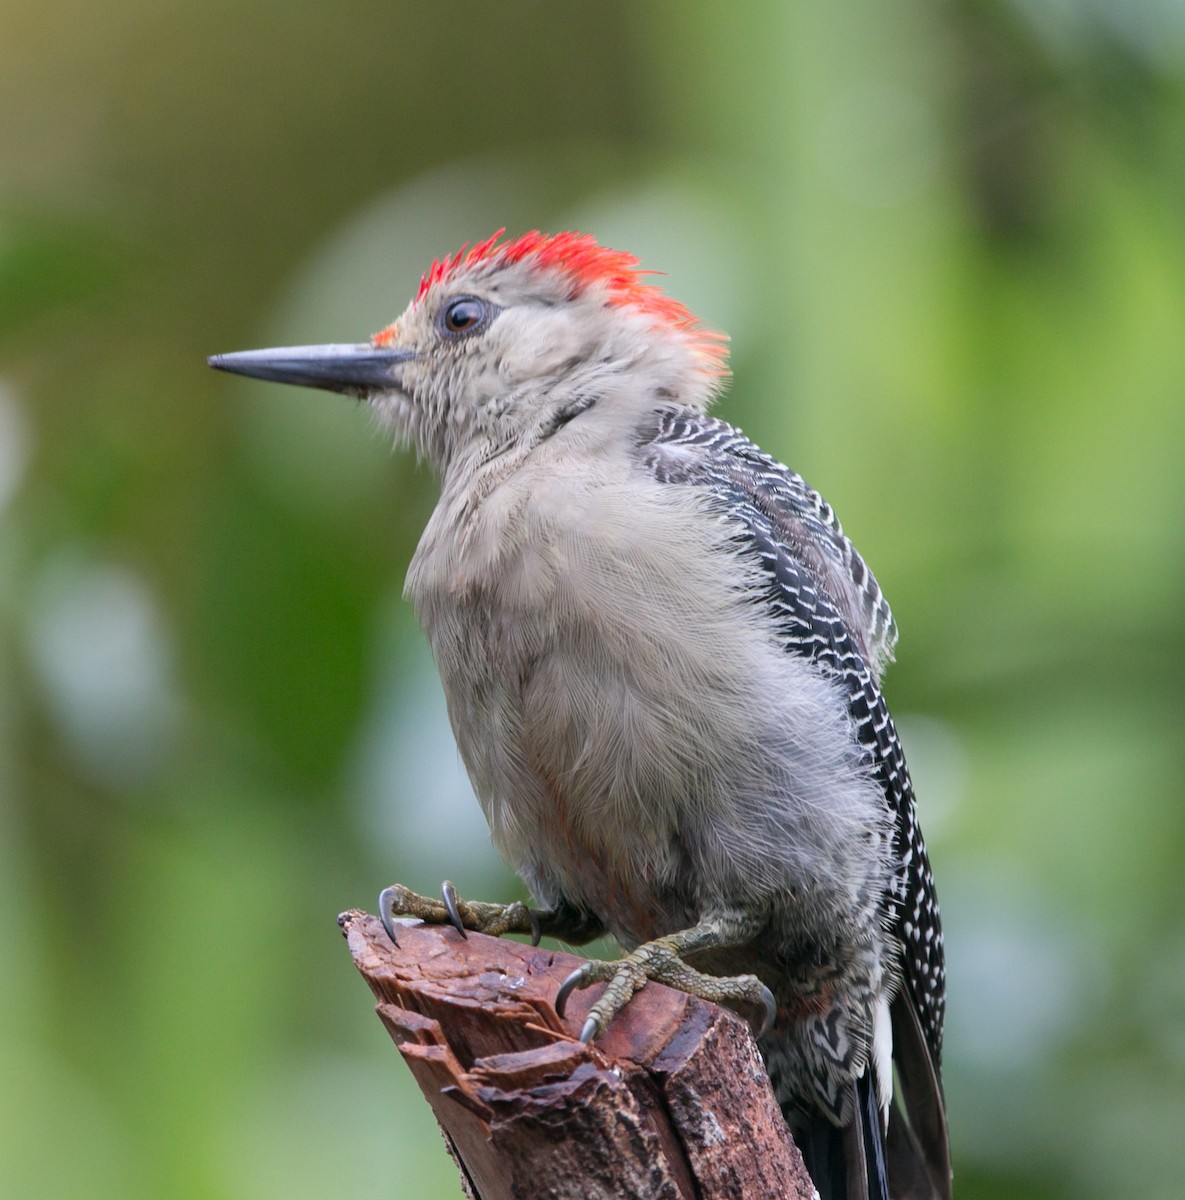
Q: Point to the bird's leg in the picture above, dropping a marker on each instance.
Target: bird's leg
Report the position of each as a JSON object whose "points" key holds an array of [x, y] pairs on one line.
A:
{"points": [[563, 920], [662, 961]]}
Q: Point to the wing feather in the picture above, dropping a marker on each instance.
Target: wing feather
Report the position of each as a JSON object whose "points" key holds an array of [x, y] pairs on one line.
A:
{"points": [[828, 607]]}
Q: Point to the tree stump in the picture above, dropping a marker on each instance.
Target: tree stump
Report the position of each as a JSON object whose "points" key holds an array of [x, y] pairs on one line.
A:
{"points": [[671, 1103]]}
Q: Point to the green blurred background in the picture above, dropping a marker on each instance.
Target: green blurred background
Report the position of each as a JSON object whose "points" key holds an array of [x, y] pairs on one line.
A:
{"points": [[949, 242]]}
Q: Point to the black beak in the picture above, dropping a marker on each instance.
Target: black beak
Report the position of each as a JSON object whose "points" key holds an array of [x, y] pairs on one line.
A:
{"points": [[357, 370]]}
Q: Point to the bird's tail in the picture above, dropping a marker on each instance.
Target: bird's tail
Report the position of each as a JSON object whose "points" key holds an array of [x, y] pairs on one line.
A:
{"points": [[849, 1162]]}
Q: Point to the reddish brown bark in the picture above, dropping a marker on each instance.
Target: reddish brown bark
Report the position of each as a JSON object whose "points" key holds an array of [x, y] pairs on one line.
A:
{"points": [[672, 1102]]}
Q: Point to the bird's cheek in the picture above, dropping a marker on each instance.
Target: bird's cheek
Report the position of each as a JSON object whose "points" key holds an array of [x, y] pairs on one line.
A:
{"points": [[484, 382], [546, 347]]}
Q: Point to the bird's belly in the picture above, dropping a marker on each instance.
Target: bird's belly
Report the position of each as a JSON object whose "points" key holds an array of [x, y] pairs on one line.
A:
{"points": [[649, 781], [587, 778]]}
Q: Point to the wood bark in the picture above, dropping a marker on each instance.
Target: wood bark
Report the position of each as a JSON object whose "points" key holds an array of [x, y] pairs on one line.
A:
{"points": [[671, 1103]]}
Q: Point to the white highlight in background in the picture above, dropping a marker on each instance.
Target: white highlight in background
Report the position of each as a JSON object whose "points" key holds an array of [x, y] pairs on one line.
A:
{"points": [[14, 445], [102, 656]]}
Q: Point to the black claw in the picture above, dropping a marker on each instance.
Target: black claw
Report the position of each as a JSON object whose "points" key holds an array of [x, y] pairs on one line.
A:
{"points": [[448, 894], [574, 981], [770, 1011], [387, 912], [536, 928], [589, 1031]]}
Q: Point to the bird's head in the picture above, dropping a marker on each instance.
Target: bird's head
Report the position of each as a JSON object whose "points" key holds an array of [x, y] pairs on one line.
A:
{"points": [[507, 342]]}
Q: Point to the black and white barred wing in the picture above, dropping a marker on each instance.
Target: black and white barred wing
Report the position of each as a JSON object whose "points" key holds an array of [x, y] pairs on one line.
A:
{"points": [[829, 608]]}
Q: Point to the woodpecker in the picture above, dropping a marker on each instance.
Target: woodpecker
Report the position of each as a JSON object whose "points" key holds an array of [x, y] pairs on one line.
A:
{"points": [[662, 659]]}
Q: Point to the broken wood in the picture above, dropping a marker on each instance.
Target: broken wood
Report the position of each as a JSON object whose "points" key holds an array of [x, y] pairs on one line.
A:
{"points": [[671, 1103]]}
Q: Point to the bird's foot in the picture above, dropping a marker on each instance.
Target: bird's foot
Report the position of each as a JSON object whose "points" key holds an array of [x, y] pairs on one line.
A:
{"points": [[462, 915], [661, 962]]}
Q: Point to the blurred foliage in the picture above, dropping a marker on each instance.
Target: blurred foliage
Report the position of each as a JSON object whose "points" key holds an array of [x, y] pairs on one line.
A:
{"points": [[948, 242]]}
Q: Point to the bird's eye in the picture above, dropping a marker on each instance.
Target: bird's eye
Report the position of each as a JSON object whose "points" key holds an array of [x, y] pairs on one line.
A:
{"points": [[464, 315]]}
